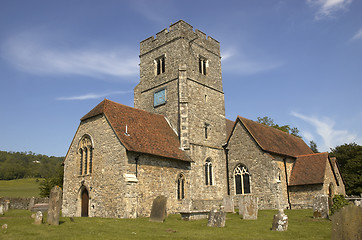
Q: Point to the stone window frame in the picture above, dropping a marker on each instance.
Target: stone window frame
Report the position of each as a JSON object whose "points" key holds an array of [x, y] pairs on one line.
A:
{"points": [[160, 64], [208, 170], [203, 65], [85, 150], [180, 186], [242, 170]]}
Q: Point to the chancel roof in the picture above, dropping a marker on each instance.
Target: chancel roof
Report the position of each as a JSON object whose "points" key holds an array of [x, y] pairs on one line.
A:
{"points": [[274, 140], [309, 169], [140, 131]]}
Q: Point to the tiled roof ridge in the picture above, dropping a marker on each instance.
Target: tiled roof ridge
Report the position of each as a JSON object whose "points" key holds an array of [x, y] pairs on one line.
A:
{"points": [[312, 154], [273, 128]]}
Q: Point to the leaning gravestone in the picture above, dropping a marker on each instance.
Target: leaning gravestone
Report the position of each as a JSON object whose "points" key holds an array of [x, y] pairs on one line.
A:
{"points": [[38, 218], [320, 207], [280, 221], [31, 203], [248, 207], [347, 223], [228, 204], [158, 211], [55, 203], [217, 218]]}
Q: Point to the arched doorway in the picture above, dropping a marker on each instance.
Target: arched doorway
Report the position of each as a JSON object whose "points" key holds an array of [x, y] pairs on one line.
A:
{"points": [[85, 203]]}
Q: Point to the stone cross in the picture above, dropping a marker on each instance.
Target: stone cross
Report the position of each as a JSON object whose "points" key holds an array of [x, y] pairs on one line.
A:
{"points": [[347, 223], [320, 207], [55, 203], [280, 221], [217, 218], [158, 211], [248, 207], [38, 218]]}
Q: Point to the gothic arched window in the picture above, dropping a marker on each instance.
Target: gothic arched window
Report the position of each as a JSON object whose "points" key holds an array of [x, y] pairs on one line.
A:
{"points": [[208, 172], [242, 180], [86, 155], [180, 187]]}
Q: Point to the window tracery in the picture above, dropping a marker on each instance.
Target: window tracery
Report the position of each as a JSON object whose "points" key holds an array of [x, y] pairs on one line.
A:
{"points": [[85, 150], [242, 180]]}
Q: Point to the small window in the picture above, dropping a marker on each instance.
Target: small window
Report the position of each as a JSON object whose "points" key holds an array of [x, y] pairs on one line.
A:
{"points": [[202, 65], [208, 172], [159, 97], [206, 127], [160, 65], [181, 187]]}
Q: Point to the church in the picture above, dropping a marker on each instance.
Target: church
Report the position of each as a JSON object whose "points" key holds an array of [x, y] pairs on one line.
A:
{"points": [[176, 142]]}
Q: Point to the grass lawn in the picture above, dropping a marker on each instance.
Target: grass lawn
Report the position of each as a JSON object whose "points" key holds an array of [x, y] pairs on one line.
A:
{"points": [[27, 187], [301, 226]]}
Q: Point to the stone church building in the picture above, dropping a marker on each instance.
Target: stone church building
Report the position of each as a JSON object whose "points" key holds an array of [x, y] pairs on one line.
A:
{"points": [[176, 142]]}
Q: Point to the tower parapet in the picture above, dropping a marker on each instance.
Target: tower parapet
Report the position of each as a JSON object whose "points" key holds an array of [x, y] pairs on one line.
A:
{"points": [[180, 29]]}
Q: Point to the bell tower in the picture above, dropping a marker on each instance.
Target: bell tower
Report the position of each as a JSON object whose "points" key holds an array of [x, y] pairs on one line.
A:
{"points": [[180, 78]]}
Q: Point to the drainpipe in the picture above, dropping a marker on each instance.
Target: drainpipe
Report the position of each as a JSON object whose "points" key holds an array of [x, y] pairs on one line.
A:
{"points": [[286, 180], [227, 168]]}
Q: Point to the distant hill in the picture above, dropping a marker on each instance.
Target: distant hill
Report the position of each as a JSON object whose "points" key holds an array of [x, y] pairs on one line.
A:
{"points": [[17, 165]]}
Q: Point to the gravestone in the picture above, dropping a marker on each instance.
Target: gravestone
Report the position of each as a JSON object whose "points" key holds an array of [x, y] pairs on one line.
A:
{"points": [[248, 207], [55, 203], [347, 223], [228, 204], [320, 207], [217, 218], [38, 218], [6, 205], [280, 221], [31, 203], [158, 211], [1, 209]]}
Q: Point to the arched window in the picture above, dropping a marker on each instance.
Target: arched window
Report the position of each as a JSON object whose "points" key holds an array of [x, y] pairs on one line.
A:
{"points": [[242, 180], [86, 155], [180, 187], [208, 172]]}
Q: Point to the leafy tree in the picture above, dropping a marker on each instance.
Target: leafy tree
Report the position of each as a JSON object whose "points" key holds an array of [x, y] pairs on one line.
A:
{"points": [[285, 128], [313, 146], [48, 183], [349, 158]]}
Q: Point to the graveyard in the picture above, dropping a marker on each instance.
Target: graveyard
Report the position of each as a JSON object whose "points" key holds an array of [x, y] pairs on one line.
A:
{"points": [[302, 225]]}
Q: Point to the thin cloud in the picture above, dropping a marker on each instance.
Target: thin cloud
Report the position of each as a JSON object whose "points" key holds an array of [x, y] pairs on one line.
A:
{"points": [[358, 35], [328, 8], [91, 96], [325, 128], [237, 62], [29, 53]]}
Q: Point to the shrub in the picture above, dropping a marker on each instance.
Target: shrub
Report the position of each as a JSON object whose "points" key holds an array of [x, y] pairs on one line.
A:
{"points": [[338, 202]]}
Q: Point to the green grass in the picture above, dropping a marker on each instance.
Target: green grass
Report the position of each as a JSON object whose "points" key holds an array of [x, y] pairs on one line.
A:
{"points": [[301, 226], [27, 187]]}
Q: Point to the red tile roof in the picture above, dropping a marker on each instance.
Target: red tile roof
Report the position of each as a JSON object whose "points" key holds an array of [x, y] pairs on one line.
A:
{"points": [[147, 132], [309, 169], [229, 127], [274, 140]]}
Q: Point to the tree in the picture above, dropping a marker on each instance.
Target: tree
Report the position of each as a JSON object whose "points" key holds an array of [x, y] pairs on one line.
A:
{"points": [[285, 128], [48, 183], [313, 146], [349, 157]]}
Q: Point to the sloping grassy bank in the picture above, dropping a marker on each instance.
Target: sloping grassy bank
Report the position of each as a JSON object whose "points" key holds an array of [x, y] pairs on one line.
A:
{"points": [[27, 187], [301, 226]]}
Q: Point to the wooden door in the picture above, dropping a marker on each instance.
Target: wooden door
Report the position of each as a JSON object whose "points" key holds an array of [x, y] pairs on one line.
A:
{"points": [[85, 203]]}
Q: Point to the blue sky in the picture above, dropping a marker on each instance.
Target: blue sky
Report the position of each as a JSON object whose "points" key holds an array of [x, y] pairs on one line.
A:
{"points": [[296, 61]]}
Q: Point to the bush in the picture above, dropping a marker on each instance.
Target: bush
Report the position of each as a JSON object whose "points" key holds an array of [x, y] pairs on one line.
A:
{"points": [[338, 202]]}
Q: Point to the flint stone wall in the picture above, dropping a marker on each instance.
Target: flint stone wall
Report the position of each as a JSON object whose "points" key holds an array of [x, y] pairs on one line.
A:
{"points": [[22, 203]]}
